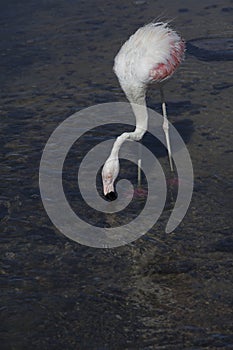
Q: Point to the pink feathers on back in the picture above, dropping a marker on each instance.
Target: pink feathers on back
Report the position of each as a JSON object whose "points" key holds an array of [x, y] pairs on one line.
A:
{"points": [[162, 70], [151, 54]]}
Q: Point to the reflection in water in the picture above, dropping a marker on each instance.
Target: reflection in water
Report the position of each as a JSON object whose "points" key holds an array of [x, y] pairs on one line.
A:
{"points": [[163, 291]]}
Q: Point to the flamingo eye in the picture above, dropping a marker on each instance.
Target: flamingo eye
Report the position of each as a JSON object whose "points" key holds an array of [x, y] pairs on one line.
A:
{"points": [[107, 178]]}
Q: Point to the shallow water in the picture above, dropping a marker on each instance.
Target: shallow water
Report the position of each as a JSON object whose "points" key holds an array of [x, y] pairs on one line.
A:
{"points": [[164, 291]]}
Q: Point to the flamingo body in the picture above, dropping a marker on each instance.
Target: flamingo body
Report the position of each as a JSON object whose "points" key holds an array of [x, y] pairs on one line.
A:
{"points": [[150, 55]]}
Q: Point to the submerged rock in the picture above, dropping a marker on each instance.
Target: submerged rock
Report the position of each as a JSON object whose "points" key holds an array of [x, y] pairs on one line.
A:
{"points": [[211, 49]]}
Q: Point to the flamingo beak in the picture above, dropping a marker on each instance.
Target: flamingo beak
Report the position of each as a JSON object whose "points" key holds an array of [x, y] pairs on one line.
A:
{"points": [[111, 196], [107, 188], [109, 193]]}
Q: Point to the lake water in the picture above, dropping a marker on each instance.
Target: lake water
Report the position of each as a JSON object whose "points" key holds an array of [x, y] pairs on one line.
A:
{"points": [[163, 291]]}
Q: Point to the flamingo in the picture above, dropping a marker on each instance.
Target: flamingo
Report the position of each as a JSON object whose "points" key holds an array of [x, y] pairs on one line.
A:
{"points": [[150, 55]]}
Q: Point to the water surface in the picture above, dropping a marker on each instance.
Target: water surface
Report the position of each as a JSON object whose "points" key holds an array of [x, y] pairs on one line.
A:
{"points": [[163, 291]]}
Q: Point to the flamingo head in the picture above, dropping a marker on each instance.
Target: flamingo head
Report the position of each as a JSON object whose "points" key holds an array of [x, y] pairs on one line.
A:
{"points": [[109, 175]]}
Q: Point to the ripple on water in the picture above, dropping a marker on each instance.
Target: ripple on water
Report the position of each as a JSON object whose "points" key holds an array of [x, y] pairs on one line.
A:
{"points": [[211, 49]]}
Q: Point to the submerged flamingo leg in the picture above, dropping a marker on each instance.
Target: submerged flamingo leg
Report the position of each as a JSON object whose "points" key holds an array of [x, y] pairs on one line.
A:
{"points": [[166, 128], [139, 164]]}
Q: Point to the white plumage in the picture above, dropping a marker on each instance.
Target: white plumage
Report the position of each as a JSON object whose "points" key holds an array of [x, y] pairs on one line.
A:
{"points": [[151, 55]]}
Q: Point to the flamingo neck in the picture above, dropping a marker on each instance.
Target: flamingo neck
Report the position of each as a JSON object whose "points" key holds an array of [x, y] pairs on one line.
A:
{"points": [[137, 99], [136, 94], [141, 115], [114, 155], [140, 111]]}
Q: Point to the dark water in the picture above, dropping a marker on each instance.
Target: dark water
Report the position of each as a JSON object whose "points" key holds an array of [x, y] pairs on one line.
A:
{"points": [[164, 291]]}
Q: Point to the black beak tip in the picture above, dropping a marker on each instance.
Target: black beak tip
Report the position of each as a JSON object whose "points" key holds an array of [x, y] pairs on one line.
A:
{"points": [[111, 196]]}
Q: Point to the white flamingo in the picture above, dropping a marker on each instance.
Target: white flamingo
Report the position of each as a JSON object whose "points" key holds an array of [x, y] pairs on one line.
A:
{"points": [[151, 55]]}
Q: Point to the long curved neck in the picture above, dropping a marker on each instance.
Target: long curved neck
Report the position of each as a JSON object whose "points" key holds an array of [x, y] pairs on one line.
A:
{"points": [[140, 111], [141, 115], [136, 94], [117, 145]]}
